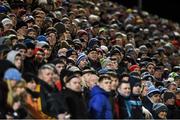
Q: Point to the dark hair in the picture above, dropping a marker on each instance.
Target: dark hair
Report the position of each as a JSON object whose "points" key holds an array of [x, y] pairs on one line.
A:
{"points": [[124, 74], [123, 81], [102, 77]]}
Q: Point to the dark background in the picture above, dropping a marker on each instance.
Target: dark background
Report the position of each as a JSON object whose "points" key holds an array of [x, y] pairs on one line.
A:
{"points": [[169, 9]]}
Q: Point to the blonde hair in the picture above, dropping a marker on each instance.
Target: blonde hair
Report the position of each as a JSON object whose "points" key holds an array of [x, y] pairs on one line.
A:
{"points": [[10, 93]]}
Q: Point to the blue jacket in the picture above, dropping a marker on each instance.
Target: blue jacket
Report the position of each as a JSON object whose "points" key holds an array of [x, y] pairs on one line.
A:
{"points": [[99, 104]]}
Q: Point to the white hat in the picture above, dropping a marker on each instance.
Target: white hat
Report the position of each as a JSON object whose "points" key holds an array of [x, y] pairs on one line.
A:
{"points": [[6, 21]]}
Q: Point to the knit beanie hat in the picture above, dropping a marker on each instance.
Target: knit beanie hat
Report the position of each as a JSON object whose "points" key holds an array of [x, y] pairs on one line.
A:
{"points": [[60, 27], [41, 38], [6, 21], [159, 107], [152, 91], [81, 57], [71, 52], [168, 95], [93, 42], [12, 74], [133, 67]]}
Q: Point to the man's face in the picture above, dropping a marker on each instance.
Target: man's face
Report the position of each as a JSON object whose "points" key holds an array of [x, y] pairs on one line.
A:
{"points": [[32, 34], [83, 63], [39, 21], [7, 27], [18, 61], [136, 90], [93, 55], [23, 53], [52, 39], [74, 84], [29, 52], [172, 88], [46, 75], [59, 67], [73, 57], [31, 85], [92, 81], [105, 84], [22, 30], [124, 89], [170, 101], [155, 98], [158, 74], [114, 83], [150, 69]]}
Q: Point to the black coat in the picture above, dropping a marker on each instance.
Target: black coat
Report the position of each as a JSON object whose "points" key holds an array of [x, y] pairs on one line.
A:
{"points": [[147, 104], [51, 100], [75, 104], [122, 107], [173, 112], [136, 104], [95, 64]]}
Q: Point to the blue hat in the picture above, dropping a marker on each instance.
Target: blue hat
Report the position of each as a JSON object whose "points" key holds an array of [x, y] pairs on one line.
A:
{"points": [[81, 57], [12, 74], [93, 42], [3, 9], [152, 91], [41, 38], [103, 71], [159, 107]]}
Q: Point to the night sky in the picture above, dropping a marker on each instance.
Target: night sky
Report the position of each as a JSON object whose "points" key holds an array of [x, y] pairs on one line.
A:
{"points": [[169, 9]]}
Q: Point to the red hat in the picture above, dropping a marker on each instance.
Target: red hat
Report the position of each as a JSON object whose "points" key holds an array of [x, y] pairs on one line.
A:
{"points": [[134, 67]]}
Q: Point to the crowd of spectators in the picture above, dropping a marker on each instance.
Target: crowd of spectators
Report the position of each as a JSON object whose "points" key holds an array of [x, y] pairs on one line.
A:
{"points": [[87, 59]]}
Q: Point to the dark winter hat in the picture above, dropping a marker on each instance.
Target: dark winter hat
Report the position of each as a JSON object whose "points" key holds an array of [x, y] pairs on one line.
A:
{"points": [[19, 46], [20, 24], [3, 9], [29, 18], [48, 19], [28, 77], [51, 30], [134, 81], [71, 52], [29, 43], [159, 107], [90, 50], [168, 95], [60, 28], [42, 38], [114, 51], [162, 89], [134, 74], [152, 91], [69, 78], [89, 70], [148, 77], [4, 49], [81, 32], [75, 69], [93, 42]]}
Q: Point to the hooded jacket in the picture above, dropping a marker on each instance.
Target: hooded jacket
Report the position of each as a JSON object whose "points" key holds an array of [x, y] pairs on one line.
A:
{"points": [[11, 55], [99, 104]]}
